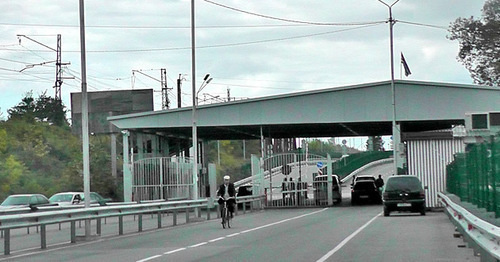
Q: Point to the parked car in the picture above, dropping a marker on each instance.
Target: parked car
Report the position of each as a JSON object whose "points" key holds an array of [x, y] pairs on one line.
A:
{"points": [[73, 198], [244, 191], [403, 193], [25, 200], [66, 198], [365, 191], [320, 185]]}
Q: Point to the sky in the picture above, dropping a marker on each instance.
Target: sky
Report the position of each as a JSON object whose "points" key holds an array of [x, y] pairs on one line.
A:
{"points": [[251, 48]]}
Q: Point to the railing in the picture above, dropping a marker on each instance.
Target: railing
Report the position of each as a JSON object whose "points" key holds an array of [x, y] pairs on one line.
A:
{"points": [[42, 219], [482, 233]]}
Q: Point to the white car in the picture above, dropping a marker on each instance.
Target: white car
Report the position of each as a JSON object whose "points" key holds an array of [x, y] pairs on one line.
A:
{"points": [[74, 198]]}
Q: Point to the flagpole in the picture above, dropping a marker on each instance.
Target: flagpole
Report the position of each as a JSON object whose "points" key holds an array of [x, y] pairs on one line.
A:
{"points": [[400, 69]]}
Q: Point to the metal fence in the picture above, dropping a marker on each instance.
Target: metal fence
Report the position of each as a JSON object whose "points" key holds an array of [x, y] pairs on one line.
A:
{"points": [[162, 178], [474, 176]]}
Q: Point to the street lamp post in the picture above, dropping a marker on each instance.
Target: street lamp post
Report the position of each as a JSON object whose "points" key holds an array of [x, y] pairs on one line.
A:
{"points": [[393, 89]]}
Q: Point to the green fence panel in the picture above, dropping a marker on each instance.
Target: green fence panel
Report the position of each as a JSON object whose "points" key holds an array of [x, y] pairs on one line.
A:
{"points": [[474, 176]]}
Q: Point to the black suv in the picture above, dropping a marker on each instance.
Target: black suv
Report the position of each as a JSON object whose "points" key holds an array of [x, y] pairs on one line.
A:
{"points": [[365, 191], [404, 193]]}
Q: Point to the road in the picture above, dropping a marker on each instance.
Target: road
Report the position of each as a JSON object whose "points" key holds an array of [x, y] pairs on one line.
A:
{"points": [[339, 233]]}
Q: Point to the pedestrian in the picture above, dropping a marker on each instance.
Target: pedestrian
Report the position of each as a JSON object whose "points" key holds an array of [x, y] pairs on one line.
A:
{"points": [[284, 188], [291, 187], [379, 182]]}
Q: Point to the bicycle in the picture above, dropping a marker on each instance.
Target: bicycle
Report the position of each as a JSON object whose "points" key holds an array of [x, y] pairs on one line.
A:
{"points": [[226, 215]]}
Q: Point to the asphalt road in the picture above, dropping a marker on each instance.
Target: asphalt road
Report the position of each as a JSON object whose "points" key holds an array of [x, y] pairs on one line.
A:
{"points": [[339, 233]]}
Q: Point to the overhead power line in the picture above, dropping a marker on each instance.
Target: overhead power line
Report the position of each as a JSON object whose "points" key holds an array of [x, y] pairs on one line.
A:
{"points": [[421, 24], [148, 26], [215, 46], [292, 20]]}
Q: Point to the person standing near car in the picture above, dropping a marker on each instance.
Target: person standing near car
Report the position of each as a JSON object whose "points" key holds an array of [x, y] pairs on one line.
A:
{"points": [[379, 182], [226, 192]]}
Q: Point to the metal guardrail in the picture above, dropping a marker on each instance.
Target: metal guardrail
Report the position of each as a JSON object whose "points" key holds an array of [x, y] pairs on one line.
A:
{"points": [[56, 207], [72, 215], [484, 234]]}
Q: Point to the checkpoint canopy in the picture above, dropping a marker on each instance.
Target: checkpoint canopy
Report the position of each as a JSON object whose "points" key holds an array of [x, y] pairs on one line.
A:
{"points": [[356, 110]]}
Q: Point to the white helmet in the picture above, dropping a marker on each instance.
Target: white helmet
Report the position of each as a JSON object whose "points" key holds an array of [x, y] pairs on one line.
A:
{"points": [[227, 177]]}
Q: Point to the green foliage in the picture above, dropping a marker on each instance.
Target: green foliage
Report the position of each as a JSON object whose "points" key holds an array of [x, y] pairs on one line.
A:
{"points": [[232, 162], [39, 154], [376, 142], [322, 148], [42, 109], [478, 40]]}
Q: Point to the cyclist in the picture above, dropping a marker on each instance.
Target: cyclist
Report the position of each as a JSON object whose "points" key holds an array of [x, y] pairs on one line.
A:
{"points": [[226, 192]]}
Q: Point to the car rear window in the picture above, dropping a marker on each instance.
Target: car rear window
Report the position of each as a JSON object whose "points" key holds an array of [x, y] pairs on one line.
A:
{"points": [[406, 183], [364, 186]]}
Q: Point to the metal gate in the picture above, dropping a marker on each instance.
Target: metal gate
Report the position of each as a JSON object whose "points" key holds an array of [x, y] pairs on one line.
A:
{"points": [[289, 180], [162, 178]]}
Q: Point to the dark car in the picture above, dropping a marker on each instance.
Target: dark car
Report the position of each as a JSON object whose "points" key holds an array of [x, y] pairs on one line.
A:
{"points": [[320, 185], [403, 193], [365, 191], [25, 200], [244, 191]]}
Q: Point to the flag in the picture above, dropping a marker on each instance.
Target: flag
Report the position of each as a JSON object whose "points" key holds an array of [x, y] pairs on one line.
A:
{"points": [[405, 65]]}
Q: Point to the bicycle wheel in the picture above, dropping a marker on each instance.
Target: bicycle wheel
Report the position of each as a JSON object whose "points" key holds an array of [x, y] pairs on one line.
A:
{"points": [[224, 211], [228, 217]]}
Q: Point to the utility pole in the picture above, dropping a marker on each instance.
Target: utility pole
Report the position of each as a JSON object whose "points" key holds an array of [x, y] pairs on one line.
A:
{"points": [[395, 131], [59, 64], [165, 103], [59, 72], [179, 84]]}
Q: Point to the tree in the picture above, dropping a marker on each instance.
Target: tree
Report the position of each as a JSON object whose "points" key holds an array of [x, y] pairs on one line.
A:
{"points": [[479, 42], [42, 109]]}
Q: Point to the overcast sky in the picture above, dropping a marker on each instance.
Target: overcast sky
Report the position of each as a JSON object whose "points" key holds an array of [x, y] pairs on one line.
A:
{"points": [[252, 55]]}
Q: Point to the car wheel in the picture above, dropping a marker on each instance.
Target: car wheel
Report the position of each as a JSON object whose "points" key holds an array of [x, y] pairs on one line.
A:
{"points": [[386, 212], [422, 211]]}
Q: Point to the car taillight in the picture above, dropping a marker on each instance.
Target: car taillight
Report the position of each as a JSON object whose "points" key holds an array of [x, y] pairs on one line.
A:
{"points": [[422, 194], [385, 195]]}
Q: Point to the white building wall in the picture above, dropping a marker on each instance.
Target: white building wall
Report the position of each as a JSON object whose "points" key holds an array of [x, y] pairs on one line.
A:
{"points": [[427, 159]]}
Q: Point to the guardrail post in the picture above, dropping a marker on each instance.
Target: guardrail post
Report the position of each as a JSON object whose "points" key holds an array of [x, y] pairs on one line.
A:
{"points": [[159, 219], [43, 236], [175, 218], [6, 242], [139, 224], [187, 215], [244, 207], [218, 211], [73, 231], [199, 211], [120, 225], [98, 226], [208, 212]]}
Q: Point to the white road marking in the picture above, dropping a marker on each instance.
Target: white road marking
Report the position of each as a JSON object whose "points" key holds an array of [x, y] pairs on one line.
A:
{"points": [[347, 239], [199, 244], [233, 235], [149, 258], [217, 239], [175, 250]]}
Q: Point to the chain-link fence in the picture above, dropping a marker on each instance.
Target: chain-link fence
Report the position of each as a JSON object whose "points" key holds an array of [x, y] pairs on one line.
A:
{"points": [[474, 176]]}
